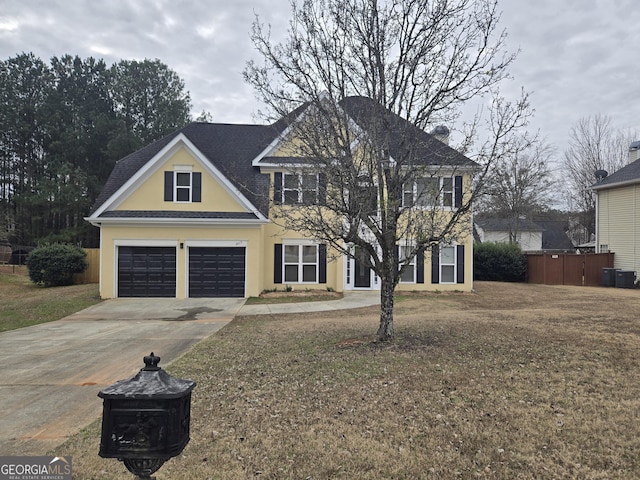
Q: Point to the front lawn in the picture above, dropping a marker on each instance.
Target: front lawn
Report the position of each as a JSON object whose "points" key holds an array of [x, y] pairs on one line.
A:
{"points": [[514, 381], [22, 303]]}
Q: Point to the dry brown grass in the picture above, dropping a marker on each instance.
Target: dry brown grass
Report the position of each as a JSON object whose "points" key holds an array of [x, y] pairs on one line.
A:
{"points": [[22, 303], [515, 381]]}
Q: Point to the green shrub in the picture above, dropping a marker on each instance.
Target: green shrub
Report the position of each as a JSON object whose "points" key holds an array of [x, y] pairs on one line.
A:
{"points": [[502, 262], [54, 265]]}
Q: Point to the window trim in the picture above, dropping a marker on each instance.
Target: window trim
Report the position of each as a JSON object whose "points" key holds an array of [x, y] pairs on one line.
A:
{"points": [[413, 265], [454, 264], [179, 188], [300, 188], [449, 192], [454, 190], [193, 187], [301, 263]]}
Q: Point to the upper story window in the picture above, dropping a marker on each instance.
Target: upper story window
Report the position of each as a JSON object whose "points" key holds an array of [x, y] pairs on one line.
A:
{"points": [[297, 188], [422, 193], [447, 192], [182, 185], [300, 189], [433, 192], [365, 197]]}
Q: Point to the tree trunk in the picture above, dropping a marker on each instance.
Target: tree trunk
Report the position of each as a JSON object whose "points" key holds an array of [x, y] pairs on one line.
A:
{"points": [[385, 331]]}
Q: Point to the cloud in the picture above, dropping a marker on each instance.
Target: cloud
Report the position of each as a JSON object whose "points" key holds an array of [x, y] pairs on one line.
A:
{"points": [[576, 56]]}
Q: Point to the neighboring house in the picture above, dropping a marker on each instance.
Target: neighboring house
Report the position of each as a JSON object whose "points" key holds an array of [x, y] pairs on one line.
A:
{"points": [[618, 213], [190, 216], [554, 235], [491, 229]]}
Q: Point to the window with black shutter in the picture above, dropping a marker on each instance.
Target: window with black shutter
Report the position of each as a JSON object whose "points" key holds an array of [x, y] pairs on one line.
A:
{"points": [[182, 186]]}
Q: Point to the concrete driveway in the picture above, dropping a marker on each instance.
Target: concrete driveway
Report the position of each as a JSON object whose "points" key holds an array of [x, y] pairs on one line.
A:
{"points": [[52, 373]]}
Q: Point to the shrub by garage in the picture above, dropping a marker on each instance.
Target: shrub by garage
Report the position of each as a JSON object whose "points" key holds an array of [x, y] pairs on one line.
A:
{"points": [[54, 265], [500, 262]]}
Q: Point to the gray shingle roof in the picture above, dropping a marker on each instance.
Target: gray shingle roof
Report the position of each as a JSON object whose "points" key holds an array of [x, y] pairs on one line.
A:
{"points": [[627, 174], [554, 236], [494, 224], [178, 214], [231, 149], [406, 138]]}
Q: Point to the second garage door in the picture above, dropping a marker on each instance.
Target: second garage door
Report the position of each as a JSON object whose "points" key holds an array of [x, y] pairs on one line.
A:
{"points": [[216, 272]]}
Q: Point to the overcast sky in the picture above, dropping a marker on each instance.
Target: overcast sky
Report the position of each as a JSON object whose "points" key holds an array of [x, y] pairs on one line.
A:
{"points": [[578, 57]]}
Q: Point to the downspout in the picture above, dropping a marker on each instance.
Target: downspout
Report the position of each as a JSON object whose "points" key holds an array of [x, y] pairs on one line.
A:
{"points": [[597, 245]]}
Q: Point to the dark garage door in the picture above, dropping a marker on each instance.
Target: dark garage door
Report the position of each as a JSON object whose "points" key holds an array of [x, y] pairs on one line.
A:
{"points": [[216, 271], [146, 272]]}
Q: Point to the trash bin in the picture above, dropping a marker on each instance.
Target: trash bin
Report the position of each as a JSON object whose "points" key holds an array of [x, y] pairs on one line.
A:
{"points": [[609, 277]]}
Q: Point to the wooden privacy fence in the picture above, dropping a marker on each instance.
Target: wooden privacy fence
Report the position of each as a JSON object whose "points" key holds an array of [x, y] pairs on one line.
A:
{"points": [[92, 273], [567, 268]]}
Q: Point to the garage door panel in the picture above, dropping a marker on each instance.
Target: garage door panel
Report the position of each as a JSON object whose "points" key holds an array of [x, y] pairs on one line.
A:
{"points": [[216, 271], [146, 271]]}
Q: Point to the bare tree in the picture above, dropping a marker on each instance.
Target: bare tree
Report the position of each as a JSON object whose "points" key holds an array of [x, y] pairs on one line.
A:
{"points": [[593, 145], [520, 184], [410, 65]]}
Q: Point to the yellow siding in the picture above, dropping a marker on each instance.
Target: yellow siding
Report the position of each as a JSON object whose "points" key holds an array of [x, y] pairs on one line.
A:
{"points": [[273, 235], [150, 194], [336, 267], [259, 240]]}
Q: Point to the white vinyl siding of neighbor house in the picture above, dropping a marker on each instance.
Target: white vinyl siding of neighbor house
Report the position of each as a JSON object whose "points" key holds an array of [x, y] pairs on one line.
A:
{"points": [[528, 241], [619, 225]]}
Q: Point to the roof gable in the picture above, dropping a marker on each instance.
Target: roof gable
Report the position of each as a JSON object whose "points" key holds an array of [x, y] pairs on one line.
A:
{"points": [[133, 172], [365, 117], [231, 153]]}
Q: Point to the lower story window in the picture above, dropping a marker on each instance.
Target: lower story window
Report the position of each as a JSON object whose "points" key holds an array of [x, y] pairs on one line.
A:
{"points": [[301, 263], [409, 275], [447, 264]]}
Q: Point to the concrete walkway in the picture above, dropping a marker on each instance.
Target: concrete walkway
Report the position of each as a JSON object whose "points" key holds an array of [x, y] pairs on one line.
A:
{"points": [[52, 373], [350, 300]]}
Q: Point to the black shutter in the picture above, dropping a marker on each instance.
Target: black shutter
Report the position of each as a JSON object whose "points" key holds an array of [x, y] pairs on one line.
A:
{"points": [[168, 186], [420, 267], [322, 263], [435, 264], [277, 263], [460, 264], [277, 188], [457, 191], [396, 259], [322, 188], [196, 192]]}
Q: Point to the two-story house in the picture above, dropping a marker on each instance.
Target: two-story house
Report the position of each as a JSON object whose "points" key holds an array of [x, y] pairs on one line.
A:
{"points": [[191, 216], [618, 213]]}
